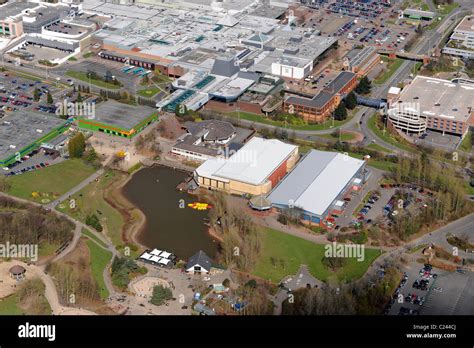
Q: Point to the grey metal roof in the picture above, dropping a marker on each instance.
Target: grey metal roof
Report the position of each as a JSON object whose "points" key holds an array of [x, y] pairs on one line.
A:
{"points": [[298, 180], [224, 67], [201, 259]]}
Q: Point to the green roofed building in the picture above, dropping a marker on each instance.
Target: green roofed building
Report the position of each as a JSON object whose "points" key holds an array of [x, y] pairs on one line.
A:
{"points": [[112, 117], [419, 14], [22, 132]]}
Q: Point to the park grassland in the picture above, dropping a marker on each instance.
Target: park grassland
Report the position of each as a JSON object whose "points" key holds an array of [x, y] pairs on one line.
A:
{"points": [[9, 305], [54, 180], [99, 258], [329, 124], [294, 252], [386, 136], [79, 75], [90, 200]]}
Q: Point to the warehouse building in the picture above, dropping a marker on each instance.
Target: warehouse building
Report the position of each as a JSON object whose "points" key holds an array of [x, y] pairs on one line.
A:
{"points": [[254, 169], [361, 60], [317, 185], [435, 104], [114, 118], [319, 108], [25, 131]]}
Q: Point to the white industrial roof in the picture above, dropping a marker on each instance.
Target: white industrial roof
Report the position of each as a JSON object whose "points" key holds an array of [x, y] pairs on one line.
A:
{"points": [[252, 164], [316, 181], [394, 90]]}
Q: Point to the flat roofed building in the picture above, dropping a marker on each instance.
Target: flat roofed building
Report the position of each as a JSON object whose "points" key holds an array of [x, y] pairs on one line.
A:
{"points": [[253, 169], [418, 14], [461, 42], [318, 181], [431, 103], [320, 107], [119, 119], [21, 132]]}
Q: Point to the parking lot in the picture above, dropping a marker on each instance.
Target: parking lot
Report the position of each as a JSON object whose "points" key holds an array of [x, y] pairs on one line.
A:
{"points": [[371, 23], [16, 93], [446, 293], [437, 139]]}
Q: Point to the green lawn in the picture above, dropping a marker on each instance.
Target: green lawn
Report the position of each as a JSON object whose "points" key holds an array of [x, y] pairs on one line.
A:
{"points": [[296, 251], [149, 92], [466, 144], [379, 148], [343, 137], [99, 260], [261, 119], [387, 137], [83, 77], [93, 237], [90, 200], [447, 9], [50, 182], [392, 66], [9, 306], [87, 55]]}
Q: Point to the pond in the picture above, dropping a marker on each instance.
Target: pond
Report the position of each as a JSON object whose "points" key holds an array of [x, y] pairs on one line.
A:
{"points": [[169, 227]]}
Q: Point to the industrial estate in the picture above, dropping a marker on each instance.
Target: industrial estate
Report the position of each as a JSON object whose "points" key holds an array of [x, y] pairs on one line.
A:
{"points": [[237, 157]]}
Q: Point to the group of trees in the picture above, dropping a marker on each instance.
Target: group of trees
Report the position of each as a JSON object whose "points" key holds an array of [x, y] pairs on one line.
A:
{"points": [[25, 224], [77, 145], [122, 271], [354, 298], [74, 283], [161, 295], [364, 86], [93, 221], [447, 203], [241, 241]]}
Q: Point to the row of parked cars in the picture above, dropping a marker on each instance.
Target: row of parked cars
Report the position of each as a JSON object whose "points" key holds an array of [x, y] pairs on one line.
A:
{"points": [[28, 169], [397, 293], [365, 209]]}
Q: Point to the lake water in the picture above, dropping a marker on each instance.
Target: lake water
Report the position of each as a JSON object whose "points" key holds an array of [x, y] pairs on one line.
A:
{"points": [[168, 227]]}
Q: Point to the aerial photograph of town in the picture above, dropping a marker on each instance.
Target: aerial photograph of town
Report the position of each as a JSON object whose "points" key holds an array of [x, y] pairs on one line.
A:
{"points": [[303, 158]]}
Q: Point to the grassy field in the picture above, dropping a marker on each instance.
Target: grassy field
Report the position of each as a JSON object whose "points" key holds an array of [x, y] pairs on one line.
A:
{"points": [[91, 236], [379, 148], [90, 200], [83, 77], [447, 9], [387, 137], [343, 137], [392, 66], [466, 144], [148, 92], [295, 251], [50, 182], [260, 119], [9, 306], [99, 260]]}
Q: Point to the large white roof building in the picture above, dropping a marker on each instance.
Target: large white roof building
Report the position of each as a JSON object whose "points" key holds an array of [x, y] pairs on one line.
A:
{"points": [[317, 182], [253, 169]]}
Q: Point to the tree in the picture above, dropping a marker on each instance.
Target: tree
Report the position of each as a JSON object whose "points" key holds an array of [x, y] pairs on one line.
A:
{"points": [[351, 101], [36, 94], [93, 221], [340, 113], [77, 145], [161, 295], [79, 97], [49, 98], [364, 86]]}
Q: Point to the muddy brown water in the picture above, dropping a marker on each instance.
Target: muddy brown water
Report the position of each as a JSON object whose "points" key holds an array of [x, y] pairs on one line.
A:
{"points": [[168, 226]]}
